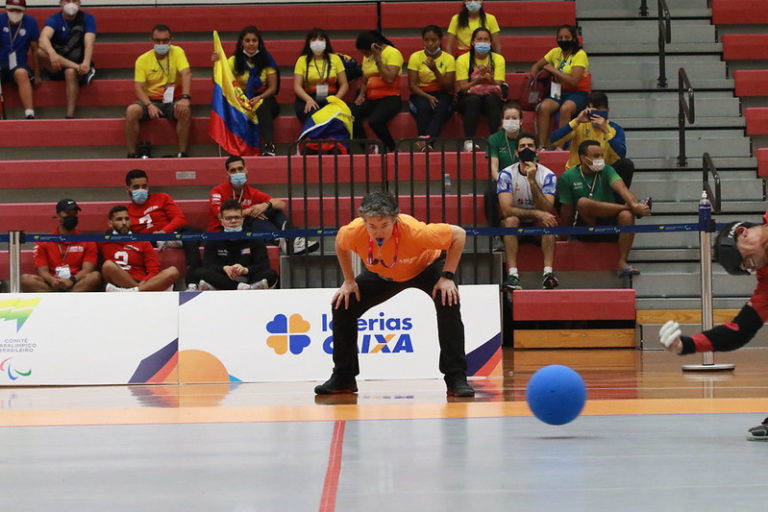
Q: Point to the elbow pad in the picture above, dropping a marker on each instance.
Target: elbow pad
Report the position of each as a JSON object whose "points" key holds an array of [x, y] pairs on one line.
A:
{"points": [[725, 337]]}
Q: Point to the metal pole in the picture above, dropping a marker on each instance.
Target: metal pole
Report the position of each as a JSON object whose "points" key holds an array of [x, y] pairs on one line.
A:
{"points": [[15, 239], [708, 363]]}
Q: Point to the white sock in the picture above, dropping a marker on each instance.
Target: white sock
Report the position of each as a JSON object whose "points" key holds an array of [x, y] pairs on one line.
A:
{"points": [[513, 272], [547, 270], [29, 112]]}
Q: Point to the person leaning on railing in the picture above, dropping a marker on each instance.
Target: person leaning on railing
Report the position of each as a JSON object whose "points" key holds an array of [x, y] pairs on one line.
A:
{"points": [[318, 73], [431, 77]]}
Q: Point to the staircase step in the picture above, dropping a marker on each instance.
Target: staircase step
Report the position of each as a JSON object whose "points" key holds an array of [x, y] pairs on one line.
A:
{"points": [[641, 36], [607, 9]]}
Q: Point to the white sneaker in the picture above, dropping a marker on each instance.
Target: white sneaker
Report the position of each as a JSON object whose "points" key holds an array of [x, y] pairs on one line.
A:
{"points": [[259, 285], [192, 287], [243, 286], [111, 288], [301, 245], [470, 146], [205, 287]]}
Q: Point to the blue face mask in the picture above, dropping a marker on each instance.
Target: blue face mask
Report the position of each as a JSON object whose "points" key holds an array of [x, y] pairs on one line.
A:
{"points": [[482, 48], [139, 195], [437, 50], [233, 230], [601, 113], [237, 179], [162, 49]]}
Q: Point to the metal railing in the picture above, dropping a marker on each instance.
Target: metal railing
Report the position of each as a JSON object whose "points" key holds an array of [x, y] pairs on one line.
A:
{"points": [[707, 168], [665, 38], [686, 111]]}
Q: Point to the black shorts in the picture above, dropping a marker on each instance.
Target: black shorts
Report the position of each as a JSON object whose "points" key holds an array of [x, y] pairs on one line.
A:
{"points": [[6, 75], [165, 108], [600, 221], [58, 76]]}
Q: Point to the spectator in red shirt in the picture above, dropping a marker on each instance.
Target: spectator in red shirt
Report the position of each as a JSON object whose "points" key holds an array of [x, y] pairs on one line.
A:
{"points": [[65, 266], [158, 213], [132, 266], [262, 212]]}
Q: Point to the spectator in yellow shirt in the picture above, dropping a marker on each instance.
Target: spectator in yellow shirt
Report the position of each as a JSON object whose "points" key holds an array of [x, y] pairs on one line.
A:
{"points": [[471, 17], [163, 85], [318, 73], [431, 77]]}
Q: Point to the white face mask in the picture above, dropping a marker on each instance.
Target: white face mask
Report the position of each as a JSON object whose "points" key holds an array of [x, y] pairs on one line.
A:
{"points": [[473, 6], [250, 54], [598, 164], [511, 125], [317, 46], [15, 16], [70, 9], [236, 229]]}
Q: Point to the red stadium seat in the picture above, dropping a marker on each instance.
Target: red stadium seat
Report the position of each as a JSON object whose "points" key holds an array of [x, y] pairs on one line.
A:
{"points": [[757, 120], [745, 46], [750, 82], [739, 12], [508, 14], [570, 256], [762, 162], [603, 304]]}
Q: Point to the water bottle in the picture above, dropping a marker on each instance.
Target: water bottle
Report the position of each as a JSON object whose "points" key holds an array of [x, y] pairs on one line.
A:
{"points": [[705, 213], [447, 182]]}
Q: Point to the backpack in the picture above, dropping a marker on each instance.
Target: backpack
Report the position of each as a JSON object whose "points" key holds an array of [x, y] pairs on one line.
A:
{"points": [[352, 68], [535, 89]]}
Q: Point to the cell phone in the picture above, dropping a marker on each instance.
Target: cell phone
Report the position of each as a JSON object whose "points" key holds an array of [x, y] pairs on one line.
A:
{"points": [[376, 46]]}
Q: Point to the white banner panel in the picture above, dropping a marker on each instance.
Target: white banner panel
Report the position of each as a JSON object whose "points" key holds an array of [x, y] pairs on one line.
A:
{"points": [[285, 335], [86, 338]]}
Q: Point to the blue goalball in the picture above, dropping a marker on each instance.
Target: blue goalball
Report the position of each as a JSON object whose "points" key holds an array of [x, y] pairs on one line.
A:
{"points": [[556, 394]]}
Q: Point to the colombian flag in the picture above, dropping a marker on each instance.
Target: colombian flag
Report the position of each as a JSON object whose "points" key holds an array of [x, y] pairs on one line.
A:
{"points": [[233, 123], [333, 121]]}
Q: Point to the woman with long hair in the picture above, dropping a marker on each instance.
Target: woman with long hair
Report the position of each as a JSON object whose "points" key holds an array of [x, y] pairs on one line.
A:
{"points": [[569, 65], [318, 73], [471, 17]]}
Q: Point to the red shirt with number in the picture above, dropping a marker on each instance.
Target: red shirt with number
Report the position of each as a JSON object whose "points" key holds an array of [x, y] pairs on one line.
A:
{"points": [[158, 212], [139, 259], [55, 254], [247, 197]]}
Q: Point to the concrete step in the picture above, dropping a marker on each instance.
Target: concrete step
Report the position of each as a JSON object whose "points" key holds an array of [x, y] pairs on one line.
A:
{"points": [[607, 9], [693, 302], [682, 279], [663, 104], [641, 36], [685, 254], [683, 240], [640, 72], [687, 189], [669, 163], [719, 143]]}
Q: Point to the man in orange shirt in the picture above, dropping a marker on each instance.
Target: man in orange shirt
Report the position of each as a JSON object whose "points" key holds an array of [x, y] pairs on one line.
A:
{"points": [[399, 252]]}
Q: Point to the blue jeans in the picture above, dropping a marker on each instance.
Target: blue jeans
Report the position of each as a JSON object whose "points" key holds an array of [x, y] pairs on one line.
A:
{"points": [[430, 121]]}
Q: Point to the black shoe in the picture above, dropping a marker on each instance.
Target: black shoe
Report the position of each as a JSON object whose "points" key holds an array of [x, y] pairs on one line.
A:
{"points": [[511, 283], [30, 116], [86, 79], [181, 154], [133, 155], [459, 387], [268, 150], [337, 385], [550, 281], [759, 433]]}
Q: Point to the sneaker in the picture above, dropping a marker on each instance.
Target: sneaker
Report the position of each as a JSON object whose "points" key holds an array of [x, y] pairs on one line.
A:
{"points": [[89, 76], [203, 286], [373, 149], [133, 155], [759, 433], [259, 285], [498, 244], [243, 286], [459, 387], [31, 116], [512, 282], [181, 154], [268, 150], [337, 385], [111, 288], [470, 146], [301, 245], [550, 281], [191, 287]]}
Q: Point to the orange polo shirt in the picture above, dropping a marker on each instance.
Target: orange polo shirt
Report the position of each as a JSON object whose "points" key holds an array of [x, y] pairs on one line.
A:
{"points": [[420, 245]]}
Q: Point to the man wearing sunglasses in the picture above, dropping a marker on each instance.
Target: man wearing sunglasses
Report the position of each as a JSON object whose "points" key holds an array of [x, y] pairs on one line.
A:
{"points": [[398, 252], [741, 248]]}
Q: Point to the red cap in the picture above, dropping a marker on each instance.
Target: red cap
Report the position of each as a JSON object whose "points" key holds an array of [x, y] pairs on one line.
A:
{"points": [[16, 4]]}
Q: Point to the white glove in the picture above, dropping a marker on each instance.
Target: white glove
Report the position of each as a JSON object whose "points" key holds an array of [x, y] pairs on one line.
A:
{"points": [[669, 336]]}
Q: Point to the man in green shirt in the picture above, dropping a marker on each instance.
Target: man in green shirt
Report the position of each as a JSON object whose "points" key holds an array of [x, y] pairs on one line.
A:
{"points": [[586, 195]]}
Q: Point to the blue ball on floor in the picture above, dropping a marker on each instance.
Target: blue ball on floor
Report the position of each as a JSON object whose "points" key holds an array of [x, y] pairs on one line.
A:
{"points": [[556, 394]]}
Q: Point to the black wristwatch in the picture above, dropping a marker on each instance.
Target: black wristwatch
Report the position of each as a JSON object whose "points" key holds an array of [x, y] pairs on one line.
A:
{"points": [[448, 275], [186, 96]]}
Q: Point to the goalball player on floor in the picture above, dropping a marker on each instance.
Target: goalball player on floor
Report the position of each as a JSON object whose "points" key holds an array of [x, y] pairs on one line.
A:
{"points": [[740, 247], [398, 252]]}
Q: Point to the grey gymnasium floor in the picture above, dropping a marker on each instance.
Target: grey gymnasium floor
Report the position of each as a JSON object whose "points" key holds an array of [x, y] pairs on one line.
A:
{"points": [[651, 439]]}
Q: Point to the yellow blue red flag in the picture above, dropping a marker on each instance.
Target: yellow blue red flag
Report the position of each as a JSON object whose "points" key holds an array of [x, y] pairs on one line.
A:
{"points": [[333, 121], [233, 125]]}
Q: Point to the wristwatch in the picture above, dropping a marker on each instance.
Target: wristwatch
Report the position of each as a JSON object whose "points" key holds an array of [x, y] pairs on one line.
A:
{"points": [[448, 275], [186, 96]]}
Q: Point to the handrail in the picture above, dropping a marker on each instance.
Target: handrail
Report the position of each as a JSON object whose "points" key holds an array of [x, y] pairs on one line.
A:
{"points": [[708, 167], [665, 37], [643, 8], [686, 111]]}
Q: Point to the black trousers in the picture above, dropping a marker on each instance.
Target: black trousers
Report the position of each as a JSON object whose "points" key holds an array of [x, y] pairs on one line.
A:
{"points": [[626, 169], [373, 291], [378, 112], [299, 104], [430, 121], [492, 213], [219, 280], [266, 113], [276, 220], [472, 106]]}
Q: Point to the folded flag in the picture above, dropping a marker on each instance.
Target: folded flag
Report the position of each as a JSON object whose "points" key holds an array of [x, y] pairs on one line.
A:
{"points": [[333, 121]]}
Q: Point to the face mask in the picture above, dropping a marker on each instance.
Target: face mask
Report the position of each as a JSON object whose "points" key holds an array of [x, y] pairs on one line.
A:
{"points": [[482, 48], [162, 49], [565, 45], [140, 195], [598, 164], [15, 16], [69, 223], [71, 9], [526, 155], [601, 113], [473, 7], [435, 52], [317, 46], [233, 230], [251, 54], [511, 125], [237, 179]]}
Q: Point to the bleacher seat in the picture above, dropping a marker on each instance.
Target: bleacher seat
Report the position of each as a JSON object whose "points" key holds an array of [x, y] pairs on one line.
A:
{"points": [[571, 256], [745, 46], [750, 82], [550, 307], [762, 162], [508, 14], [739, 12], [756, 120]]}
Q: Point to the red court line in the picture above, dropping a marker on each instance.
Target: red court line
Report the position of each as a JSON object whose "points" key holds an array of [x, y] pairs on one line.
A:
{"points": [[331, 485]]}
